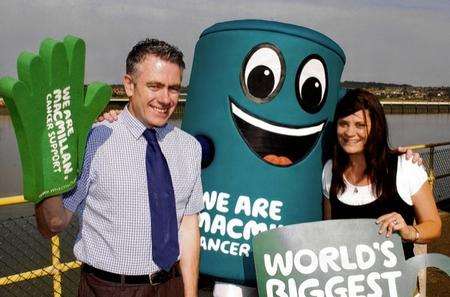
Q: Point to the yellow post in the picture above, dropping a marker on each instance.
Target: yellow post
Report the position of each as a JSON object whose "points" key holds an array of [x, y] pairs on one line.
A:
{"points": [[49, 270], [432, 177], [12, 200], [56, 256]]}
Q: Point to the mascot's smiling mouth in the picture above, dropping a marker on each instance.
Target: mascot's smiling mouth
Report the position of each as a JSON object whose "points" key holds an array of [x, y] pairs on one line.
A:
{"points": [[278, 145]]}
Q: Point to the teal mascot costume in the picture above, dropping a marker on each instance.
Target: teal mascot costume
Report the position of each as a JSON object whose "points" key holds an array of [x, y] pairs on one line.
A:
{"points": [[261, 97]]}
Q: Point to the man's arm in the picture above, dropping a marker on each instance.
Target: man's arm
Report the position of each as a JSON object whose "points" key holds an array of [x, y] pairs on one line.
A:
{"points": [[51, 216], [190, 254]]}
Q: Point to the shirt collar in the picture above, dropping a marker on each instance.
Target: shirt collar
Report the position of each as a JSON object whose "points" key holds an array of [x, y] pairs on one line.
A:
{"points": [[136, 127]]}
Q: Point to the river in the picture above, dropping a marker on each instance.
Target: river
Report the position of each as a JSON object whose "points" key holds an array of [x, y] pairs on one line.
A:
{"points": [[404, 130]]}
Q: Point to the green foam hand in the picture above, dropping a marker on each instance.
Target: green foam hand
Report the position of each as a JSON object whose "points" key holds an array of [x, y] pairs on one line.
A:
{"points": [[52, 115]]}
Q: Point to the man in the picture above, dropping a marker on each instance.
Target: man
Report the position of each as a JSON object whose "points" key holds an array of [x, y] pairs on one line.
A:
{"points": [[131, 212]]}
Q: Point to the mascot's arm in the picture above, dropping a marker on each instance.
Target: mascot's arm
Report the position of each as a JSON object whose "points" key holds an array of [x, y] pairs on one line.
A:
{"points": [[208, 150]]}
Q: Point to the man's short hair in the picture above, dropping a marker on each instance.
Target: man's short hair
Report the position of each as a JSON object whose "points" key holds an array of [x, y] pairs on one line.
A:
{"points": [[159, 48]]}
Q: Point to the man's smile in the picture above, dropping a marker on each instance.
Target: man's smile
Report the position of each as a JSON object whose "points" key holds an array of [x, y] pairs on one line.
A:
{"points": [[159, 109], [277, 144]]}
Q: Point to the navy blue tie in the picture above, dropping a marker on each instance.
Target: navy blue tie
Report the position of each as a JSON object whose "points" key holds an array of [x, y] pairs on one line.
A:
{"points": [[165, 249]]}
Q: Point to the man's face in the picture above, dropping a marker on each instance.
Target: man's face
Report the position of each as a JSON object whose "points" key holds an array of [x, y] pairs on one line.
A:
{"points": [[153, 90]]}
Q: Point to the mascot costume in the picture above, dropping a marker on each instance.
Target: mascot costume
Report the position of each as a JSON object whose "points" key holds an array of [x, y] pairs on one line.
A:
{"points": [[261, 97], [261, 100]]}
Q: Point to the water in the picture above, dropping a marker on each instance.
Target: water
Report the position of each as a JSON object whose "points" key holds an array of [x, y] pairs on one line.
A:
{"points": [[418, 128], [404, 130]]}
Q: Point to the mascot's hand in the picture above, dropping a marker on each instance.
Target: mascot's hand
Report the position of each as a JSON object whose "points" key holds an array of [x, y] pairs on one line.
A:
{"points": [[52, 114]]}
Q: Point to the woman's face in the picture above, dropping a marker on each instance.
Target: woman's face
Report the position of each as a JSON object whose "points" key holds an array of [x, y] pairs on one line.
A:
{"points": [[353, 131]]}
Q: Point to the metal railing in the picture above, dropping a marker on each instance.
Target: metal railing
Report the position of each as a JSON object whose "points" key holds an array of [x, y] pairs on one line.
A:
{"points": [[45, 261], [415, 107], [22, 247], [436, 158]]}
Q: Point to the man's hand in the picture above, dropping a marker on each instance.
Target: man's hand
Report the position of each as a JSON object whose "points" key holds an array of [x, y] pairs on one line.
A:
{"points": [[410, 155], [52, 114], [51, 216]]}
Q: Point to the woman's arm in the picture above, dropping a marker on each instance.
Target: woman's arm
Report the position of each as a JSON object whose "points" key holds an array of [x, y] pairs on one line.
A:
{"points": [[427, 216], [326, 185], [326, 208]]}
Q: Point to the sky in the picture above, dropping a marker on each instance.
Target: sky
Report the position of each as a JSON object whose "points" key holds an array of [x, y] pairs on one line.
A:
{"points": [[384, 41]]}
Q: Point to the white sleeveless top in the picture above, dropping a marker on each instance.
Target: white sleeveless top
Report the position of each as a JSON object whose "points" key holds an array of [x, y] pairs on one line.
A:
{"points": [[410, 177]]}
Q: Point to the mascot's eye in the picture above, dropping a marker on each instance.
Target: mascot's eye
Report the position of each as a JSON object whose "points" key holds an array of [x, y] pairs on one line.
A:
{"points": [[311, 84], [262, 73]]}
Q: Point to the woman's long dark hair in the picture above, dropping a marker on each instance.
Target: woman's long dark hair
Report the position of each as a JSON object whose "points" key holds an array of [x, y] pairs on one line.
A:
{"points": [[376, 150]]}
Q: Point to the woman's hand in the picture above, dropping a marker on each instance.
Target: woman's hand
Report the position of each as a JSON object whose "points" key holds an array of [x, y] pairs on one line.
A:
{"points": [[429, 223], [394, 222]]}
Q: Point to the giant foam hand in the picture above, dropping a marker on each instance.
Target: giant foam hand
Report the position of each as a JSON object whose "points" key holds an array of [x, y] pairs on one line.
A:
{"points": [[264, 94], [52, 115]]}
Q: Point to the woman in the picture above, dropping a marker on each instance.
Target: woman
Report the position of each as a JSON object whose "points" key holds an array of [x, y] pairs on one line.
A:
{"points": [[366, 179]]}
